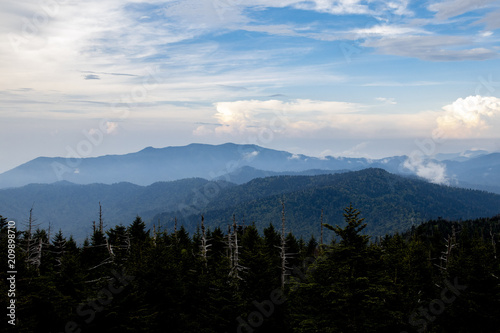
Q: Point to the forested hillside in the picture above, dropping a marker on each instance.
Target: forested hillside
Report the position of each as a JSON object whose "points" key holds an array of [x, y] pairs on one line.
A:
{"points": [[73, 207], [391, 203], [438, 277]]}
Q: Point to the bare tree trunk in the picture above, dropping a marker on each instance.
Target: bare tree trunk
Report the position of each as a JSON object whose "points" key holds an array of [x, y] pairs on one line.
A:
{"points": [[101, 222], [447, 254], [38, 259], [236, 252], [229, 252], [493, 243], [33, 248], [154, 235], [283, 253], [29, 235], [204, 245], [321, 237], [48, 236]]}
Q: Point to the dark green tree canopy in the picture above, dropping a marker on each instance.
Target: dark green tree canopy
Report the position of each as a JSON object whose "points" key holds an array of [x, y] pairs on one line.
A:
{"points": [[350, 234]]}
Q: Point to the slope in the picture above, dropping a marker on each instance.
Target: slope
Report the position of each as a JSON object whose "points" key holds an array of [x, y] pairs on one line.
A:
{"points": [[72, 207], [388, 202]]}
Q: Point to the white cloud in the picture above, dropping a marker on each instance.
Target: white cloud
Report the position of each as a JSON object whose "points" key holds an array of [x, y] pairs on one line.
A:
{"points": [[203, 130], [206, 14], [385, 100], [474, 116], [337, 7], [432, 171], [492, 20], [298, 115], [250, 155], [305, 118], [486, 33], [356, 151], [433, 48], [388, 30], [111, 127], [451, 8], [399, 7]]}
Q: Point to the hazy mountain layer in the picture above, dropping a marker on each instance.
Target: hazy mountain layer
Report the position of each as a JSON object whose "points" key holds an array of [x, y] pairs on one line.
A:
{"points": [[151, 165], [241, 163]]}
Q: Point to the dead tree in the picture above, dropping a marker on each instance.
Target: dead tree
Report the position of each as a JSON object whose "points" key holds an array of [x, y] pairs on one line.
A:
{"points": [[493, 243], [451, 242], [283, 248], [36, 259], [283, 253], [204, 245], [100, 244], [33, 247], [229, 252], [234, 250], [101, 221], [154, 235], [321, 235], [29, 233]]}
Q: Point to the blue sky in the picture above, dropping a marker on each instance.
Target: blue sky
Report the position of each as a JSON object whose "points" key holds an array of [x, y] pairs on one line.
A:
{"points": [[323, 77]]}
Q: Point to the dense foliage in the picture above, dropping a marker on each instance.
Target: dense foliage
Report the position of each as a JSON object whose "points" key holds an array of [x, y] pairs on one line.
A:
{"points": [[70, 206], [390, 202], [440, 276]]}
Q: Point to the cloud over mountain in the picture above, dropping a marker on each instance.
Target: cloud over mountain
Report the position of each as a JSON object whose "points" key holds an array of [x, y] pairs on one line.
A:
{"points": [[473, 116]]}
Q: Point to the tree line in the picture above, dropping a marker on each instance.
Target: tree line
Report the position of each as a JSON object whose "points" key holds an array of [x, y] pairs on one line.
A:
{"points": [[440, 276]]}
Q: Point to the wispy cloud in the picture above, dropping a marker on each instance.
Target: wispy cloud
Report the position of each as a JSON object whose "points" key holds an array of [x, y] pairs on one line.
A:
{"points": [[433, 48], [451, 8], [91, 77], [356, 151], [385, 30], [385, 100], [432, 171], [104, 73], [492, 20], [335, 7], [222, 60]]}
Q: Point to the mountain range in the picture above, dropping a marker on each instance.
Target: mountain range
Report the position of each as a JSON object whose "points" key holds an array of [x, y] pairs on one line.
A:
{"points": [[388, 202], [241, 163]]}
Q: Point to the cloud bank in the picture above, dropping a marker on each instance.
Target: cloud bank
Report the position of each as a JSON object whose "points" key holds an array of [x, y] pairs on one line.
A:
{"points": [[305, 117]]}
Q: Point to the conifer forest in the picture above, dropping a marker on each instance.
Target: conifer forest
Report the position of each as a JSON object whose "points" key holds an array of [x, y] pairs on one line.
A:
{"points": [[440, 276]]}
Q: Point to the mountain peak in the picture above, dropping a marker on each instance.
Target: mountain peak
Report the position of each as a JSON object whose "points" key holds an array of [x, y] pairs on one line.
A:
{"points": [[220, 162]]}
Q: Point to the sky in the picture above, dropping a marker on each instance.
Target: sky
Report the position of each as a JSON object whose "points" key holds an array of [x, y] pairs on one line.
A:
{"points": [[323, 77]]}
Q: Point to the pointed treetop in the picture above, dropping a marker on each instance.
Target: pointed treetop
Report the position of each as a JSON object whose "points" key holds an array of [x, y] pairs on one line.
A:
{"points": [[350, 234]]}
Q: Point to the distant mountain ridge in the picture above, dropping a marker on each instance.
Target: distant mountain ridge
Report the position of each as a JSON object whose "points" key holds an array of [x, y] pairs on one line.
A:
{"points": [[234, 163], [172, 163]]}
